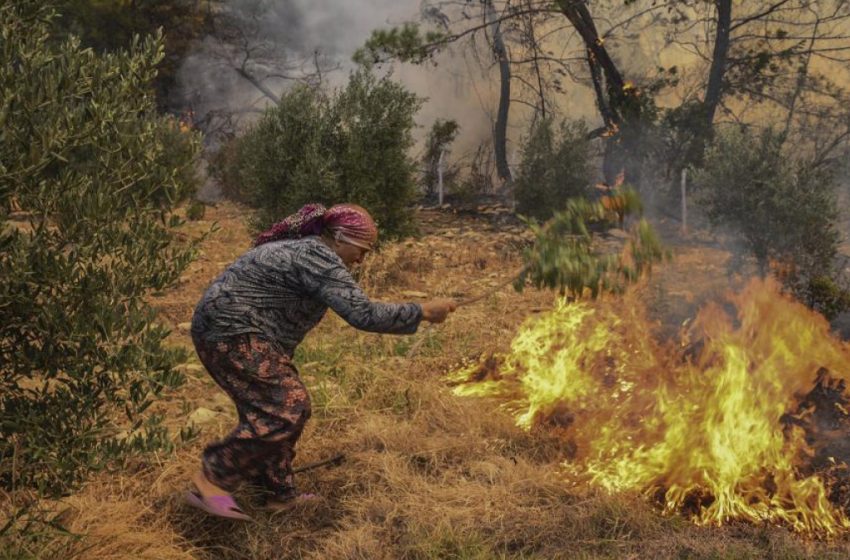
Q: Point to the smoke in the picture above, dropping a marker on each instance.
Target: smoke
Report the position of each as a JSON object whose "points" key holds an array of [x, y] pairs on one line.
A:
{"points": [[270, 38], [279, 41]]}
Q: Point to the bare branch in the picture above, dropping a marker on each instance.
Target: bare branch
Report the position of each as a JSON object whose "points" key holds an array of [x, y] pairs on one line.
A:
{"points": [[760, 15]]}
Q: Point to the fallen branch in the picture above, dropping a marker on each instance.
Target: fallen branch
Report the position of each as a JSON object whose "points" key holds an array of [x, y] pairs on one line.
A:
{"points": [[335, 460]]}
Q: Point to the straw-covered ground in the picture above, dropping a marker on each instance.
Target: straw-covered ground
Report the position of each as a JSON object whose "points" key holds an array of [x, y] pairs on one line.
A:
{"points": [[426, 474]]}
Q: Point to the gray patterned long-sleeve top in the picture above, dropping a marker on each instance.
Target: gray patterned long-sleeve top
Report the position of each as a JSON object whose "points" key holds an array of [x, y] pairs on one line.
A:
{"points": [[282, 289]]}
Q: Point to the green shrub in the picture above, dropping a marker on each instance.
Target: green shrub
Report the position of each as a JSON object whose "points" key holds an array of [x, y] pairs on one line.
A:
{"points": [[783, 208], [91, 173], [564, 256], [349, 146], [195, 211], [554, 168], [108, 26]]}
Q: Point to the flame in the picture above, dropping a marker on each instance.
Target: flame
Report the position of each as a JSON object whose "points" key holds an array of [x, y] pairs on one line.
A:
{"points": [[611, 131], [703, 427]]}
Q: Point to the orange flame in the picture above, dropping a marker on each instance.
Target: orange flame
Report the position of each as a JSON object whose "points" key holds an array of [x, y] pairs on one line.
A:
{"points": [[697, 427]]}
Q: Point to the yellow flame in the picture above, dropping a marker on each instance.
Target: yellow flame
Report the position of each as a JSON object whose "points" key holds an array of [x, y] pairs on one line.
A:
{"points": [[698, 427]]}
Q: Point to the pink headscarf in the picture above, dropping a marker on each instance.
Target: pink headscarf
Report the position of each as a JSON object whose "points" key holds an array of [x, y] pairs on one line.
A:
{"points": [[348, 223]]}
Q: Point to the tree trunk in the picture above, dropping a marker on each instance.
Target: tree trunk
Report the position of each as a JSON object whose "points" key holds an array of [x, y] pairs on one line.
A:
{"points": [[714, 89], [621, 114], [802, 76], [500, 130], [258, 84], [599, 90], [579, 16]]}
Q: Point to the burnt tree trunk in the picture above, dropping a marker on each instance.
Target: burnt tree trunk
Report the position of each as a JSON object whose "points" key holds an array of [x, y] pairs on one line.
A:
{"points": [[598, 88], [616, 100], [579, 16]]}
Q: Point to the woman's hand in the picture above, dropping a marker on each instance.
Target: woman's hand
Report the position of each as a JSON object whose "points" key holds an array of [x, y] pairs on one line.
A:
{"points": [[436, 310]]}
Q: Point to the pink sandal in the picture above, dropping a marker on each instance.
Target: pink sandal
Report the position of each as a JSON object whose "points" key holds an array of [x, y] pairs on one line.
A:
{"points": [[220, 506]]}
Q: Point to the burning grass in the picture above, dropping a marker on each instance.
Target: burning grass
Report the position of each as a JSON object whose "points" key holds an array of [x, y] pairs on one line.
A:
{"points": [[428, 474], [722, 429]]}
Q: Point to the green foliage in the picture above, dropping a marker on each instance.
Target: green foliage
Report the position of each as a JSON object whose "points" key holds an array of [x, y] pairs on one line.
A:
{"points": [[555, 166], [683, 133], [110, 25], [347, 147], [195, 211], [564, 255], [91, 174], [783, 208], [827, 294], [406, 43]]}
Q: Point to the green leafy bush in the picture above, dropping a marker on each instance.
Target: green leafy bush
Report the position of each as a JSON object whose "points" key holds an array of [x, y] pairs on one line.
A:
{"points": [[784, 208], [108, 26], [565, 257], [554, 168], [89, 174], [349, 146]]}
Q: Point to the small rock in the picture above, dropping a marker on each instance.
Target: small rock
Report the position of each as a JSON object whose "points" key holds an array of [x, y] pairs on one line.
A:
{"points": [[222, 403], [202, 415], [618, 233], [193, 368], [184, 326]]}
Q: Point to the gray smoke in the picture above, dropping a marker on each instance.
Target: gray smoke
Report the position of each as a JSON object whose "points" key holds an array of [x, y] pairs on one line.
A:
{"points": [[279, 41], [267, 39]]}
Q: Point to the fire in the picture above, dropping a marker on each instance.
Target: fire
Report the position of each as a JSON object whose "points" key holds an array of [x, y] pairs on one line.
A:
{"points": [[712, 428]]}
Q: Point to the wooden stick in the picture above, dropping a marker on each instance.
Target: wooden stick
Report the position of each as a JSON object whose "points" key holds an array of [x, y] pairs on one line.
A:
{"points": [[335, 460], [684, 187], [491, 291], [440, 178], [427, 330]]}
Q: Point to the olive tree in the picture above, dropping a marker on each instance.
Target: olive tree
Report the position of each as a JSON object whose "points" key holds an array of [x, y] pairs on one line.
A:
{"points": [[89, 176]]}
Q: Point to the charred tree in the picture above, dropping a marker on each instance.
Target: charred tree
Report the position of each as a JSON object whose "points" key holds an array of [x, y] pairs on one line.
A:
{"points": [[618, 101]]}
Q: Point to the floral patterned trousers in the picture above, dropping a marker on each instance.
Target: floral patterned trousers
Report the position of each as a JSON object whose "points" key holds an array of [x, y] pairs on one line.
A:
{"points": [[273, 406]]}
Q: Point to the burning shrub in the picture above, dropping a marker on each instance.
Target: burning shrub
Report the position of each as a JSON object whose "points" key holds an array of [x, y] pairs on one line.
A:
{"points": [[783, 207], [92, 174], [554, 168], [313, 147]]}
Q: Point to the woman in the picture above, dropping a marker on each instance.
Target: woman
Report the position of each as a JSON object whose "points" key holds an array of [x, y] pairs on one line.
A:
{"points": [[246, 328]]}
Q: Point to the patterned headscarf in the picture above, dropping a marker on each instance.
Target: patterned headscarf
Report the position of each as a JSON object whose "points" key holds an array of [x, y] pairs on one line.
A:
{"points": [[348, 223]]}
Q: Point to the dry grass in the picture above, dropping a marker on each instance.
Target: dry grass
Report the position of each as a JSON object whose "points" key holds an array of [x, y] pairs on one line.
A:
{"points": [[427, 474]]}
